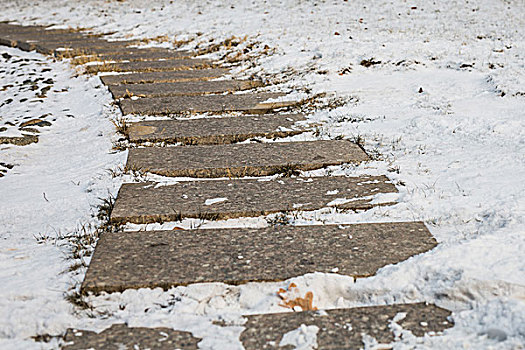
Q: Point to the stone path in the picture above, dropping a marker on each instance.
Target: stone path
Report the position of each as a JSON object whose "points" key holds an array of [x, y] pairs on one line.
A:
{"points": [[142, 203], [165, 82], [249, 103], [238, 160], [163, 77], [207, 131], [237, 256], [181, 88]]}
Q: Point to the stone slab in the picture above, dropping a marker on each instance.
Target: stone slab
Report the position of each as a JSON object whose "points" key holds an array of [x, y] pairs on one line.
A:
{"points": [[86, 45], [343, 329], [120, 336], [182, 88], [146, 54], [152, 66], [208, 131], [142, 203], [163, 77], [266, 254], [250, 103], [239, 160]]}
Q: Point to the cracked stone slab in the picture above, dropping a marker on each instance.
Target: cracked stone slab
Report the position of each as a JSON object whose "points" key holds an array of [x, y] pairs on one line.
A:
{"points": [[182, 88], [120, 336], [142, 203], [207, 131], [340, 329], [152, 66], [250, 103], [241, 255], [164, 77], [239, 160]]}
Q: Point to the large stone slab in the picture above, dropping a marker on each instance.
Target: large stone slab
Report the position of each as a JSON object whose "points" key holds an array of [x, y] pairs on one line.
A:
{"points": [[223, 199], [164, 77], [152, 66], [343, 329], [208, 131], [146, 54], [120, 336], [182, 88], [240, 255], [251, 103], [238, 160]]}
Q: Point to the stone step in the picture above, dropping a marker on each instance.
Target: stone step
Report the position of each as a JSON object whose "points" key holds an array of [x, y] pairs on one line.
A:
{"points": [[208, 131], [120, 336], [146, 54], [249, 103], [142, 203], [241, 255], [164, 77], [182, 88], [239, 160], [151, 66], [344, 328], [335, 329]]}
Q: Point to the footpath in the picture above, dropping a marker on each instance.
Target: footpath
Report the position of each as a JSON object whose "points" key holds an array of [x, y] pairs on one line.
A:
{"points": [[156, 81]]}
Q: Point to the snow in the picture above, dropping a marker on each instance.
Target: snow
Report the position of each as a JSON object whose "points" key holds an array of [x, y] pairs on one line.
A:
{"points": [[212, 201], [442, 114], [302, 338]]}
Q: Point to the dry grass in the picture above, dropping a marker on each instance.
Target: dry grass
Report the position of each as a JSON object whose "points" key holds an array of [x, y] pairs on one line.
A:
{"points": [[305, 303]]}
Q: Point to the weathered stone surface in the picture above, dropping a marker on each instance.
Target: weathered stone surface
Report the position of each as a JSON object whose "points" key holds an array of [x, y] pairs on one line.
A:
{"points": [[342, 329], [208, 131], [164, 77], [120, 336], [19, 141], [241, 255], [152, 66], [146, 202], [89, 44], [238, 160], [146, 54], [251, 103], [182, 88]]}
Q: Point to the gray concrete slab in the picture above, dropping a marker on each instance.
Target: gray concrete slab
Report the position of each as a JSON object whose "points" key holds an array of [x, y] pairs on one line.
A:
{"points": [[146, 54], [239, 160], [343, 329], [250, 103], [152, 66], [120, 336], [148, 202], [164, 77], [208, 131], [240, 255], [182, 88]]}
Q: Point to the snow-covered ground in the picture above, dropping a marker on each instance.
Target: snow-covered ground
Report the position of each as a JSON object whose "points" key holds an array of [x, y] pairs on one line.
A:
{"points": [[436, 90]]}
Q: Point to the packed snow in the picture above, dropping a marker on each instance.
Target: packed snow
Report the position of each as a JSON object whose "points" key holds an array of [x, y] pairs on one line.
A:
{"points": [[435, 92]]}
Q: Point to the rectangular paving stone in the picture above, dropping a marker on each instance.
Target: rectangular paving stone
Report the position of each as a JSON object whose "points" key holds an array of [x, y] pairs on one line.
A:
{"points": [[182, 88], [146, 54], [152, 66], [343, 329], [251, 103], [142, 203], [85, 45], [164, 77], [208, 131], [241, 255], [238, 160], [121, 336]]}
